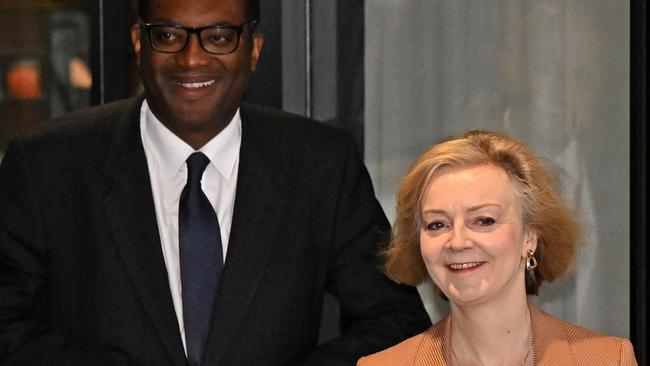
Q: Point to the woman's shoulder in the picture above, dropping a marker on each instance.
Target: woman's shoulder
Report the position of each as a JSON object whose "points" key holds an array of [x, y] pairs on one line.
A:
{"points": [[402, 353], [553, 336], [427, 345], [593, 347]]}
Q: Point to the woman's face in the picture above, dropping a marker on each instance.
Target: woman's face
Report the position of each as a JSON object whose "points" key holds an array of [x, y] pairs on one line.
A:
{"points": [[473, 240]]}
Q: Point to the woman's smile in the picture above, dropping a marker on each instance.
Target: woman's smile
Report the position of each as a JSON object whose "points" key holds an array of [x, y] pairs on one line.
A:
{"points": [[464, 267]]}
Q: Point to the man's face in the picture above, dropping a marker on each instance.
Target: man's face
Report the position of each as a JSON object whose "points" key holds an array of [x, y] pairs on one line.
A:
{"points": [[194, 92]]}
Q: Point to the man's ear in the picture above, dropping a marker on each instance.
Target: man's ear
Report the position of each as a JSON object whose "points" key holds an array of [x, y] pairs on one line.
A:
{"points": [[256, 49], [136, 40]]}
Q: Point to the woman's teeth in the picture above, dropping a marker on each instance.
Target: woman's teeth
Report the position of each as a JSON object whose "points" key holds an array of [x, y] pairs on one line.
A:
{"points": [[464, 265]]}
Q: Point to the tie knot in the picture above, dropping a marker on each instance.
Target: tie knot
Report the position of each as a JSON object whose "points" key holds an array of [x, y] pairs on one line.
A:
{"points": [[196, 164]]}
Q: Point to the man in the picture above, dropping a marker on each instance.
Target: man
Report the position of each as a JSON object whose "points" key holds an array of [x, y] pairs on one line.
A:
{"points": [[187, 228]]}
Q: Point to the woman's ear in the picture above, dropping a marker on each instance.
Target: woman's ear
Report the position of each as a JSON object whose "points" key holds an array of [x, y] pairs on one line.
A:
{"points": [[530, 243]]}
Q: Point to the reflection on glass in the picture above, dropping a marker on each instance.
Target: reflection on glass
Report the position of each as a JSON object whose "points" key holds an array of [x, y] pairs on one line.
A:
{"points": [[44, 62], [24, 79], [71, 79]]}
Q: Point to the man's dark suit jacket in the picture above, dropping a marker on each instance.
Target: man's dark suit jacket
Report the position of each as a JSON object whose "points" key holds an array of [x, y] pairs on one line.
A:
{"points": [[82, 275]]}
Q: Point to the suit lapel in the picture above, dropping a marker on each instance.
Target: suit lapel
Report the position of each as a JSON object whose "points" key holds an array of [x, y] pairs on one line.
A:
{"points": [[255, 221], [550, 344], [131, 216]]}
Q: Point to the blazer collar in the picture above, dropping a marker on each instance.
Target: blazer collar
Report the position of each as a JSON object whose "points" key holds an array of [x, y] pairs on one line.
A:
{"points": [[435, 346], [550, 345], [130, 213]]}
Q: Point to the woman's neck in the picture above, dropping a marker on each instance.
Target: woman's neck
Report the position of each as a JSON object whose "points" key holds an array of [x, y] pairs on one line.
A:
{"points": [[494, 333]]}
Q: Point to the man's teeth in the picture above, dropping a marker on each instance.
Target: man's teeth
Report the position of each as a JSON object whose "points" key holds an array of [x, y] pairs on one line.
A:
{"points": [[197, 85], [464, 265]]}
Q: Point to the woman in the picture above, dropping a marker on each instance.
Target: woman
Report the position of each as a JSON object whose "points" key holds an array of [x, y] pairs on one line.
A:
{"points": [[480, 215]]}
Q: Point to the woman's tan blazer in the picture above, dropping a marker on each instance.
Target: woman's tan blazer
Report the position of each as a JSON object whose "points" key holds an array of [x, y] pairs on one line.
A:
{"points": [[555, 343]]}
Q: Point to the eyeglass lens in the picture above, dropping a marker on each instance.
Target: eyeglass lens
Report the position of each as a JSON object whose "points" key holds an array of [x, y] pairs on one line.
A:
{"points": [[218, 40]]}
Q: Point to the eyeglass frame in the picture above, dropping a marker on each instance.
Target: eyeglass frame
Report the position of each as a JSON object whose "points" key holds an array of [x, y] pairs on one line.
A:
{"points": [[147, 27]]}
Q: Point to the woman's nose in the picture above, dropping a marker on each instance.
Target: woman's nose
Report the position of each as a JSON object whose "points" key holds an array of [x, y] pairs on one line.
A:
{"points": [[458, 239]]}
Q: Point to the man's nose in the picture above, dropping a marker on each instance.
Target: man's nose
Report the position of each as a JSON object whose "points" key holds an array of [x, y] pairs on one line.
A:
{"points": [[193, 54]]}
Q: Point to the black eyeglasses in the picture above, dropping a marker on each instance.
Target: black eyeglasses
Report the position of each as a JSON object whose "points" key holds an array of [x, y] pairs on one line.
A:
{"points": [[214, 39]]}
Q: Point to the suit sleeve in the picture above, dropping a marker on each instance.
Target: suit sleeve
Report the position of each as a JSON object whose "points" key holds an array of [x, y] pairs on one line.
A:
{"points": [[26, 337], [376, 313]]}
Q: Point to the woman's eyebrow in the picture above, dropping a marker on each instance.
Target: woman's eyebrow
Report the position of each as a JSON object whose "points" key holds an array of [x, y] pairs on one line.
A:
{"points": [[482, 206]]}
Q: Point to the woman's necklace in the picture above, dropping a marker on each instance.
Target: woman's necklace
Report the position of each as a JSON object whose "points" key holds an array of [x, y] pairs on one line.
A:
{"points": [[523, 362]]}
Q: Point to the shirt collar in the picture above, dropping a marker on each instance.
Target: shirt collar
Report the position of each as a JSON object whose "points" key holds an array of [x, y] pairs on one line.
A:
{"points": [[172, 152]]}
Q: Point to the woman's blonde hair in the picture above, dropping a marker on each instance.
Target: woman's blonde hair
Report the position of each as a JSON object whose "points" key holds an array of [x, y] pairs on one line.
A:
{"points": [[542, 208]]}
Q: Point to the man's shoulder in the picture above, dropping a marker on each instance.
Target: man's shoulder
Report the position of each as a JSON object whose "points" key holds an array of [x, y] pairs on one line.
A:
{"points": [[281, 124], [260, 113], [90, 120], [85, 134]]}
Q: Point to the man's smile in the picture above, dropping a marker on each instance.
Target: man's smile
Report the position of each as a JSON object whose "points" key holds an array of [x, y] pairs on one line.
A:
{"points": [[196, 85]]}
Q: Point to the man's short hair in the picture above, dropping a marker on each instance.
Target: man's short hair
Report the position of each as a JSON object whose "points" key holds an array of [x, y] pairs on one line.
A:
{"points": [[253, 9]]}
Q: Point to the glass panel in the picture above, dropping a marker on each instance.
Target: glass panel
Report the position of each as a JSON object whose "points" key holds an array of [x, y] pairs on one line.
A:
{"points": [[44, 62], [554, 73]]}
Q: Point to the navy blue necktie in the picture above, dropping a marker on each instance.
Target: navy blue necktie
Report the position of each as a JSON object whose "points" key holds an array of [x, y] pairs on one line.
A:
{"points": [[201, 258]]}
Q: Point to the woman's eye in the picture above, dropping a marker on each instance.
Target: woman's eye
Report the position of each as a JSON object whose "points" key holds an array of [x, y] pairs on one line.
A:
{"points": [[485, 221], [435, 226]]}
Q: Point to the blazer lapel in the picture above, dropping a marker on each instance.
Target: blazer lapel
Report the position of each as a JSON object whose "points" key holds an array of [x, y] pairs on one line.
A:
{"points": [[433, 351], [131, 216], [550, 345], [259, 196]]}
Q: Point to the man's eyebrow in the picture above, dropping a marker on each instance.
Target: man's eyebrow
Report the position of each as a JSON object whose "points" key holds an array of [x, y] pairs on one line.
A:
{"points": [[163, 21], [167, 21]]}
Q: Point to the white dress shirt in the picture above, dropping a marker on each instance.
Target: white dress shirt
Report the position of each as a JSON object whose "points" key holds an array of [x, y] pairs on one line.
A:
{"points": [[166, 154]]}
